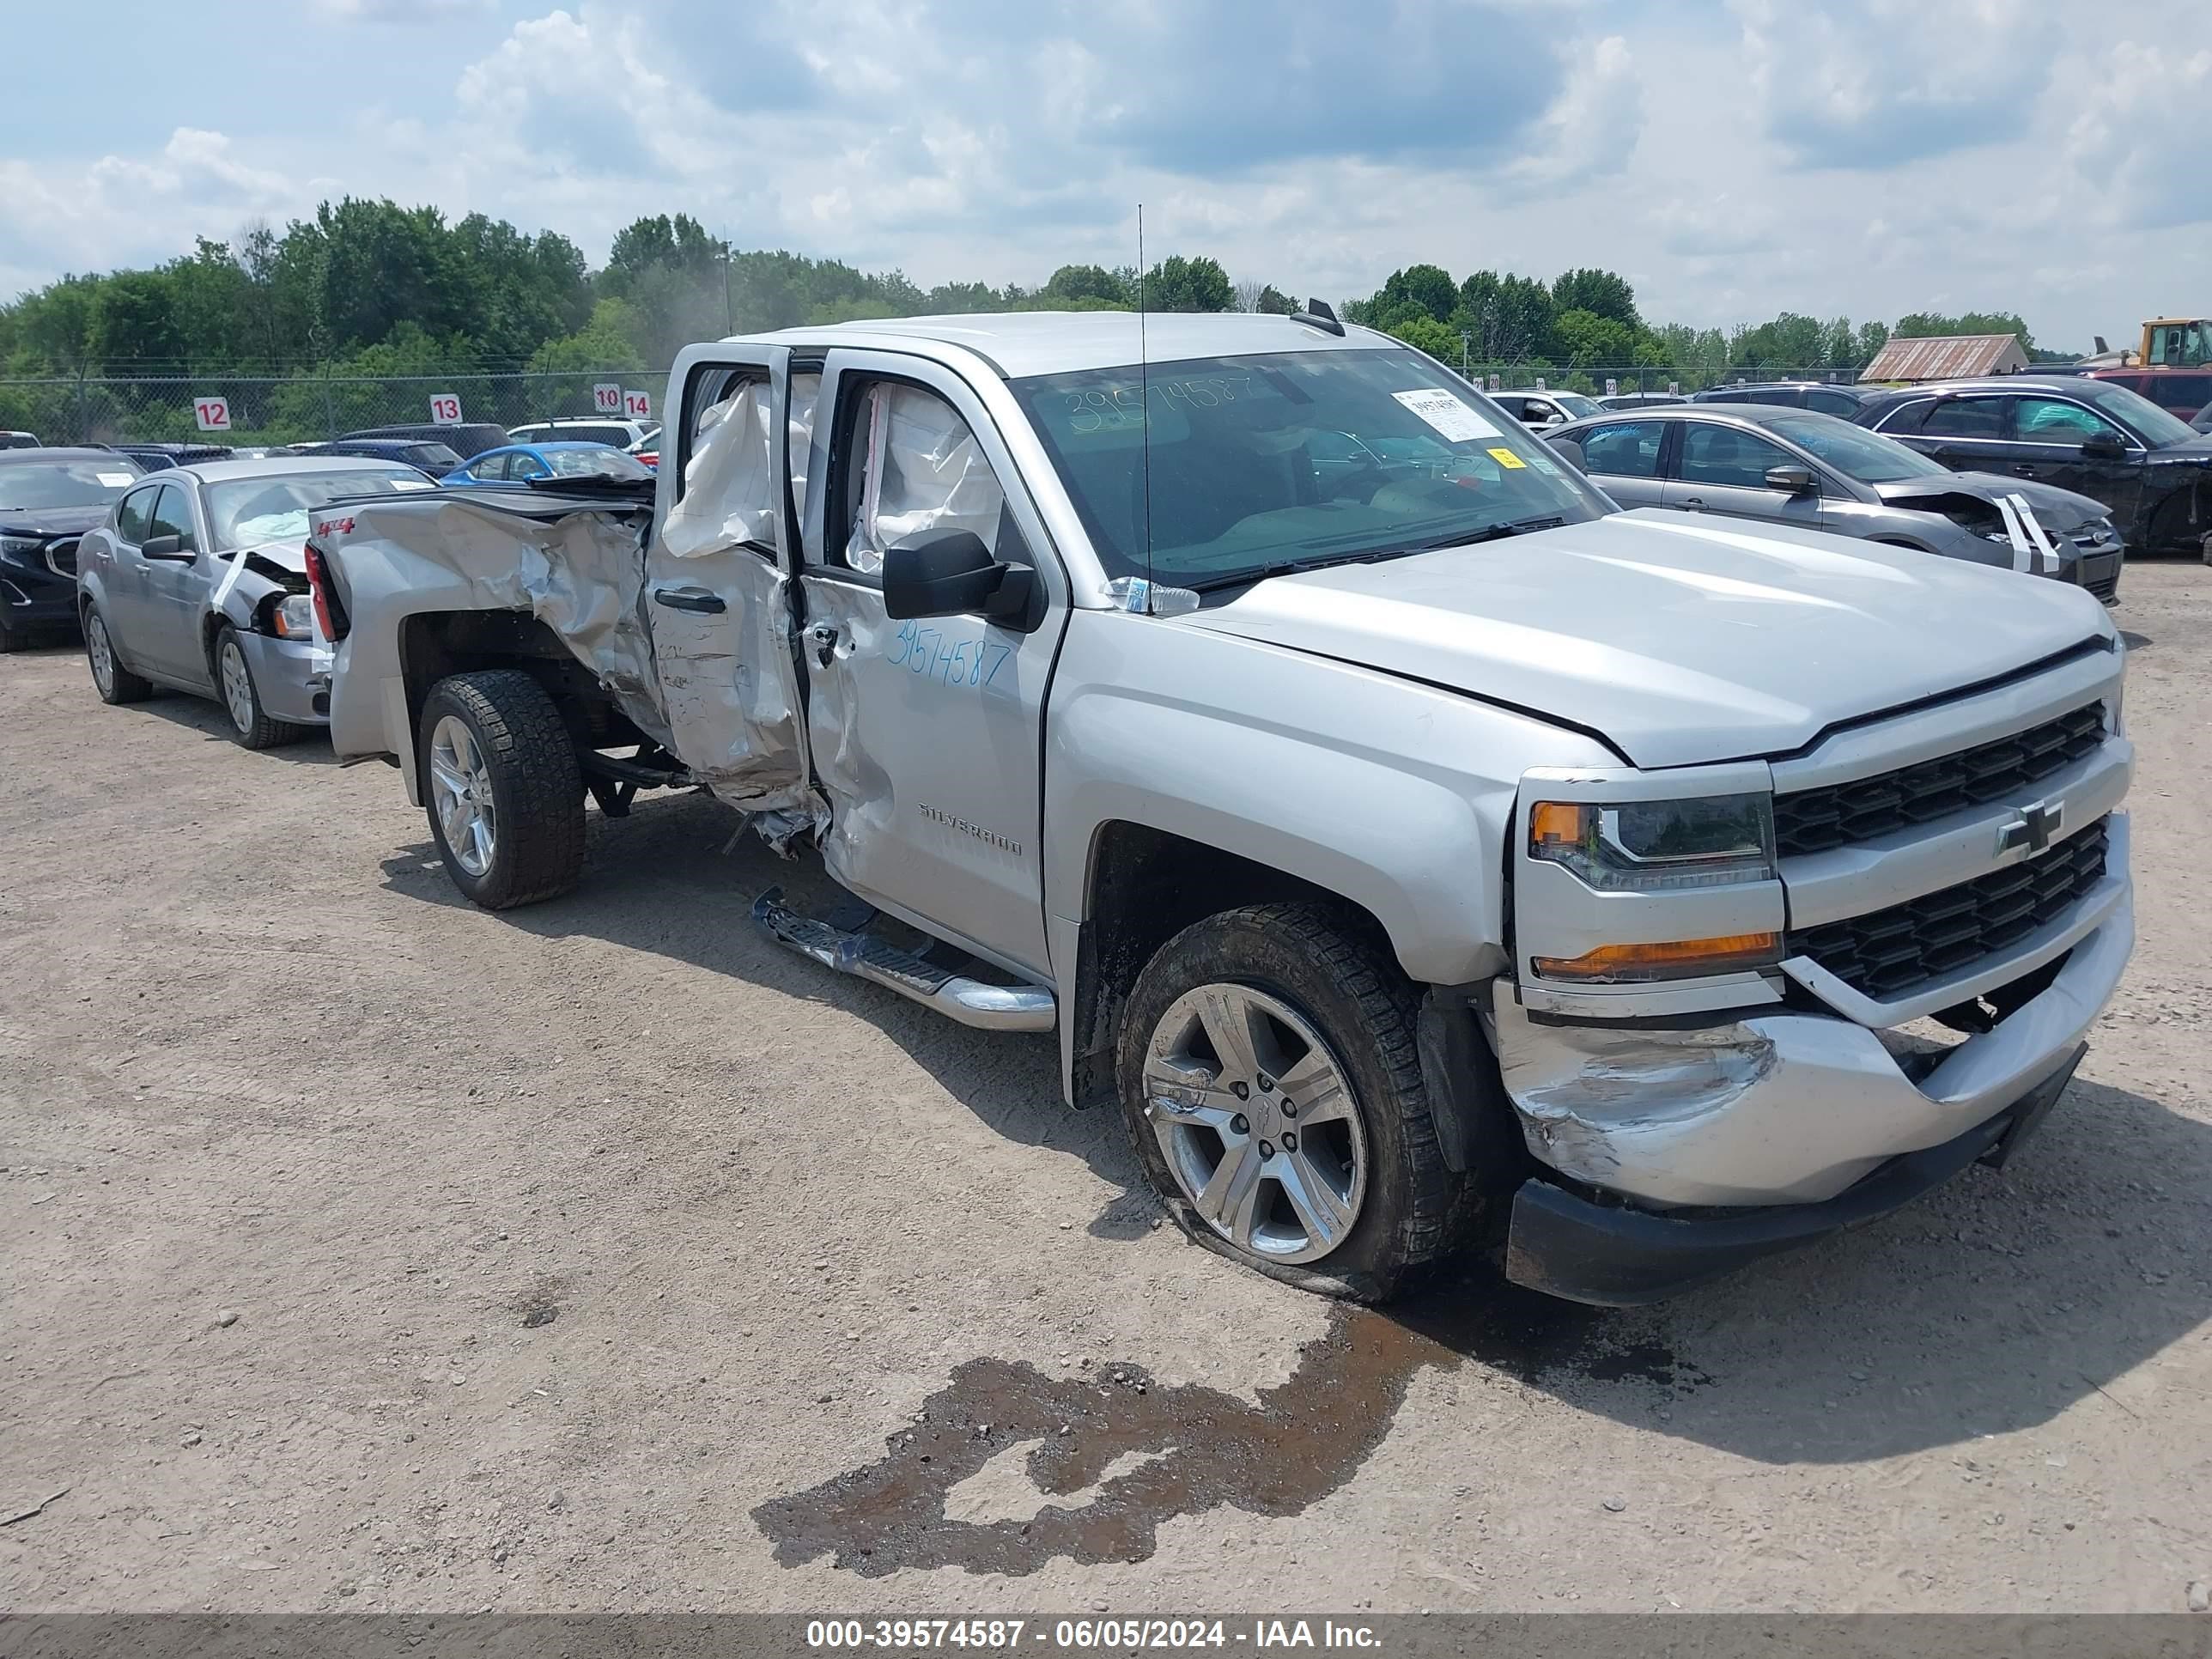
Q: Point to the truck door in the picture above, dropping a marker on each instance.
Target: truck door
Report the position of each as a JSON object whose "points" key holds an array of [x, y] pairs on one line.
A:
{"points": [[717, 591], [926, 735]]}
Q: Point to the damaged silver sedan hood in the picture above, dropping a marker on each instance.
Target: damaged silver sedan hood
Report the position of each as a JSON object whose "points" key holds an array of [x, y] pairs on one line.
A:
{"points": [[1680, 640]]}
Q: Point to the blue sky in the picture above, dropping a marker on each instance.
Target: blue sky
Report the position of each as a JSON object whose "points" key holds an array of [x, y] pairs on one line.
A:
{"points": [[1733, 157]]}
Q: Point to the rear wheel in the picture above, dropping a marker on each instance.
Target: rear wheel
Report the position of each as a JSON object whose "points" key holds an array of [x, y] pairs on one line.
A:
{"points": [[501, 786], [114, 682], [1272, 1083], [250, 724]]}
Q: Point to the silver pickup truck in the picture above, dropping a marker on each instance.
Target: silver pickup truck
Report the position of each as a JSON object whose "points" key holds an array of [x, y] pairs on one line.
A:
{"points": [[1421, 851]]}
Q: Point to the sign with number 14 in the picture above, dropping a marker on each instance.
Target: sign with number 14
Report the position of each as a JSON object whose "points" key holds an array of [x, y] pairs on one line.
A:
{"points": [[638, 405]]}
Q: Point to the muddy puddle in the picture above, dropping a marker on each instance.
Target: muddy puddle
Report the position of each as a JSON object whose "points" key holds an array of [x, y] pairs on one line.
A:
{"points": [[1111, 1453]]}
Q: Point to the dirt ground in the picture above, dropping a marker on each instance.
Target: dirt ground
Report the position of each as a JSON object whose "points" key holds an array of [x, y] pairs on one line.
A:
{"points": [[367, 1251]]}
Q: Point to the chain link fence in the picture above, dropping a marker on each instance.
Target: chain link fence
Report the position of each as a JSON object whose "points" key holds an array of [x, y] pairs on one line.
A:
{"points": [[307, 407], [314, 406], [1600, 380]]}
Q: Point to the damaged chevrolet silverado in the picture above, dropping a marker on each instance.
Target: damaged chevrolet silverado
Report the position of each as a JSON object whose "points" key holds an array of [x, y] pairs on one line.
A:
{"points": [[1421, 851]]}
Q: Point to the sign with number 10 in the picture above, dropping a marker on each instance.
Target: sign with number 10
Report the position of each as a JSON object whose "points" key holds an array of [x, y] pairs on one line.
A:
{"points": [[607, 398]]}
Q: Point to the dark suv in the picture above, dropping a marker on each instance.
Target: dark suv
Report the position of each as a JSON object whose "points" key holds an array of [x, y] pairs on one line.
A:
{"points": [[1840, 400], [2092, 436], [464, 438]]}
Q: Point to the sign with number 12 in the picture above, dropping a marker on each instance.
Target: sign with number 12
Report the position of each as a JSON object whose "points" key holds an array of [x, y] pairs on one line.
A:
{"points": [[213, 414]]}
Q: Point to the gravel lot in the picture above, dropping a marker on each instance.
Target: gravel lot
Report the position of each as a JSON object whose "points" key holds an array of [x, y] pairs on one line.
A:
{"points": [[365, 1250]]}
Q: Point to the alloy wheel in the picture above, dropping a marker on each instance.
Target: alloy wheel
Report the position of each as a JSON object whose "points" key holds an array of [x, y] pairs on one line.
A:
{"points": [[1257, 1122], [460, 793]]}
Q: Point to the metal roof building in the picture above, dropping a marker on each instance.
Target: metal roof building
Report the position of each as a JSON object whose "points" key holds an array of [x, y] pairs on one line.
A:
{"points": [[1946, 357]]}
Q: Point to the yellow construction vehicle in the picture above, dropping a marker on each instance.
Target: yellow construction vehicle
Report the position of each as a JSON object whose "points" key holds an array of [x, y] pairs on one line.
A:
{"points": [[2166, 343]]}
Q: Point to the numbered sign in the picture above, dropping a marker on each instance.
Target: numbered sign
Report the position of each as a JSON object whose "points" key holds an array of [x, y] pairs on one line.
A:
{"points": [[213, 414], [1612, 387], [638, 405], [1540, 386], [1495, 383], [1673, 388], [606, 398], [445, 409]]}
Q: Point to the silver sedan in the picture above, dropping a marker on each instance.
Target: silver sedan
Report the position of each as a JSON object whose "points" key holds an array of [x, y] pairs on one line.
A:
{"points": [[197, 582]]}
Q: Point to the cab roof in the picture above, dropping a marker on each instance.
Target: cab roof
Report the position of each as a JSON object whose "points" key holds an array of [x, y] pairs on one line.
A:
{"points": [[1018, 344]]}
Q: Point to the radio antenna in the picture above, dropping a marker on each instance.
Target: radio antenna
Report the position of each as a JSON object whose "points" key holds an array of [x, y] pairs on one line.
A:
{"points": [[1145, 394]]}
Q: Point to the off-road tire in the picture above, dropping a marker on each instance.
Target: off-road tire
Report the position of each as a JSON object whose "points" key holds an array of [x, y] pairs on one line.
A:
{"points": [[1319, 959], [262, 732], [537, 787], [122, 686]]}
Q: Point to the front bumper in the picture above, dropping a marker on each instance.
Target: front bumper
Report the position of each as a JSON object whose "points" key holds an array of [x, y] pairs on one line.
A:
{"points": [[1568, 1245], [1810, 1116], [34, 596], [292, 675]]}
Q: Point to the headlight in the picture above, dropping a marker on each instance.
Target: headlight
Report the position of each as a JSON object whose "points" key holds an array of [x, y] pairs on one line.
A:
{"points": [[1658, 845], [295, 618], [21, 544]]}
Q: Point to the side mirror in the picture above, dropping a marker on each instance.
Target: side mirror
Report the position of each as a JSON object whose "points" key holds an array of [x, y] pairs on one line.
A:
{"points": [[950, 573], [2104, 447], [165, 547], [1790, 480]]}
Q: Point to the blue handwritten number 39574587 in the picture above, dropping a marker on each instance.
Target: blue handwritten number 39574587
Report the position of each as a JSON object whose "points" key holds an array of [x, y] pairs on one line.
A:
{"points": [[927, 652]]}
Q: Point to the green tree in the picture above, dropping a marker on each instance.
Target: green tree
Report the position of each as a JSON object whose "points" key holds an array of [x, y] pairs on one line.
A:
{"points": [[1427, 289], [1180, 284], [1088, 283], [134, 323], [1921, 325], [1424, 333], [1602, 293], [384, 266], [608, 341], [1590, 341], [1509, 319]]}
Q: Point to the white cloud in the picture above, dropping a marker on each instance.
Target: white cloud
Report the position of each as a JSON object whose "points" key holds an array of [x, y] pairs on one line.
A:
{"points": [[1873, 157]]}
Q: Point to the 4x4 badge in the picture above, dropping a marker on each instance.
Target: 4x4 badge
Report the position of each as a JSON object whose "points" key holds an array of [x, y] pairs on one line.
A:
{"points": [[2033, 829]]}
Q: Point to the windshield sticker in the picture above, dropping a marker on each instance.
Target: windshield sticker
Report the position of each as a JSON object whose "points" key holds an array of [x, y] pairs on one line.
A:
{"points": [[1446, 414], [116, 480], [1507, 457], [412, 484]]}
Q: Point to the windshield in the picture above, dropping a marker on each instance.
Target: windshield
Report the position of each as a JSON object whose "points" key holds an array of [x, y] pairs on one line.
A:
{"points": [[1851, 450], [2153, 425], [65, 484], [1294, 457], [247, 512], [1575, 404], [596, 463]]}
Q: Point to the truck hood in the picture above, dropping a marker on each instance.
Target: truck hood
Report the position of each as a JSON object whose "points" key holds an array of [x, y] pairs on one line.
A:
{"points": [[1678, 641]]}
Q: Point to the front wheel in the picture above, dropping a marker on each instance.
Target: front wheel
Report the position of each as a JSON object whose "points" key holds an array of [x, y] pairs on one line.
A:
{"points": [[1271, 1077], [501, 786], [250, 723]]}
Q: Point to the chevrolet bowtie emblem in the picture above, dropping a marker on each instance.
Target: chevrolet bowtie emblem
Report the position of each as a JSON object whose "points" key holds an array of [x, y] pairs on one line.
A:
{"points": [[2032, 829]]}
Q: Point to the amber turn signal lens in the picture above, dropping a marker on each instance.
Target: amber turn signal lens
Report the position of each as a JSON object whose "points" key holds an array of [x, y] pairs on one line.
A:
{"points": [[1681, 959], [1556, 823]]}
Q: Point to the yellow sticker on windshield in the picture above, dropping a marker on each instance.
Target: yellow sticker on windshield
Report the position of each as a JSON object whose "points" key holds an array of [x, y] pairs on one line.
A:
{"points": [[1507, 457]]}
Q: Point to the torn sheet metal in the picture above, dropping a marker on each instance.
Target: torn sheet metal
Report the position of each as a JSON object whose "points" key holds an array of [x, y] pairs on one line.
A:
{"points": [[580, 573], [924, 471]]}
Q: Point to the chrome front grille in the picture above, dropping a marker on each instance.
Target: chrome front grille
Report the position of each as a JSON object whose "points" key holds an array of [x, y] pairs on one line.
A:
{"points": [[1890, 954], [1845, 814], [61, 558]]}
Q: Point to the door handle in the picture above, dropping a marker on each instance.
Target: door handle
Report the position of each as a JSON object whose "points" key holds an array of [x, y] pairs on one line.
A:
{"points": [[825, 642], [1694, 503], [691, 598], [2023, 469]]}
